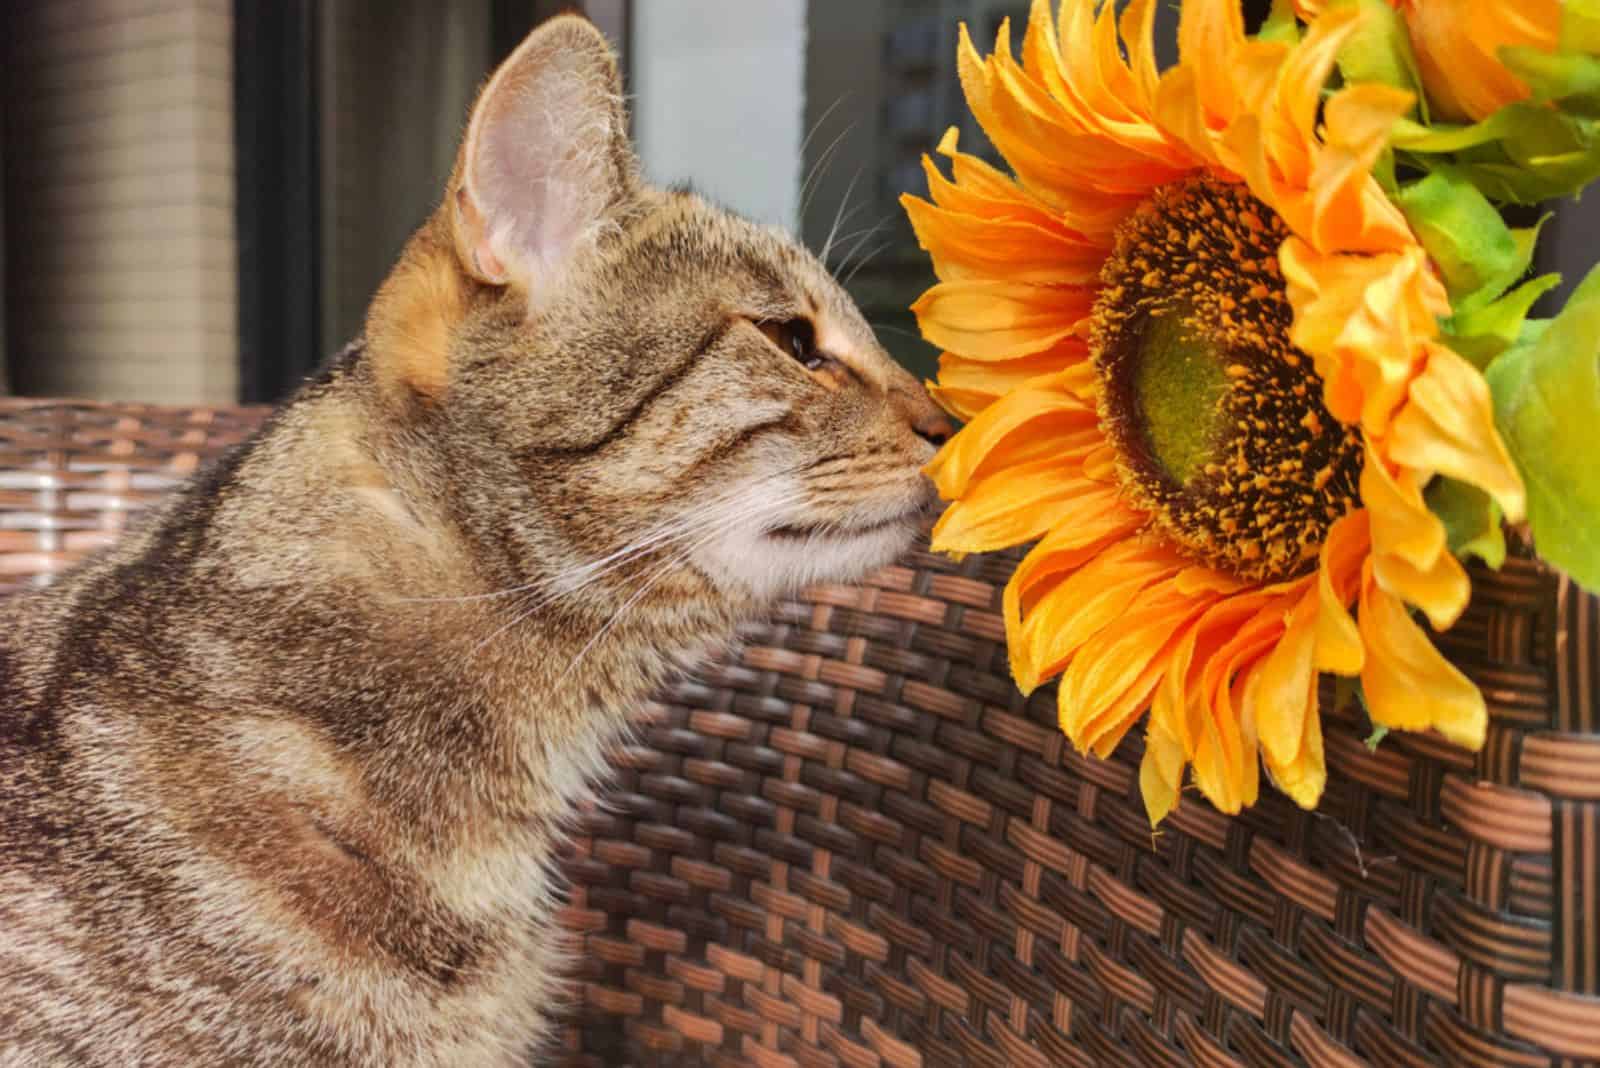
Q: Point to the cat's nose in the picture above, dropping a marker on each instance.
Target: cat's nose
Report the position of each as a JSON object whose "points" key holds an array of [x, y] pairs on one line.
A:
{"points": [[933, 427], [914, 405]]}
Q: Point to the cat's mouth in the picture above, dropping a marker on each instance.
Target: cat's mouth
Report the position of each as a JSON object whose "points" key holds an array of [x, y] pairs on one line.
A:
{"points": [[813, 531]]}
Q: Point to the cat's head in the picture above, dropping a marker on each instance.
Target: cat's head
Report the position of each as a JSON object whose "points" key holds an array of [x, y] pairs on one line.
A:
{"points": [[649, 365]]}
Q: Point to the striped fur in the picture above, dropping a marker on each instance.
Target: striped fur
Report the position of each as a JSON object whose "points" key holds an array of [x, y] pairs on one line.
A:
{"points": [[282, 774]]}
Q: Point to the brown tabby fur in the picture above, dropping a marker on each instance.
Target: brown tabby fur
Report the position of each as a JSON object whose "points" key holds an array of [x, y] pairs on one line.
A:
{"points": [[281, 775]]}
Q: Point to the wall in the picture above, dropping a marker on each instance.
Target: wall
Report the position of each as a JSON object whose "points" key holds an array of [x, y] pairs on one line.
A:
{"points": [[718, 96]]}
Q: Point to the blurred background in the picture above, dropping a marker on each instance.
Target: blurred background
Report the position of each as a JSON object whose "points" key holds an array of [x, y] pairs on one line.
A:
{"points": [[200, 196]]}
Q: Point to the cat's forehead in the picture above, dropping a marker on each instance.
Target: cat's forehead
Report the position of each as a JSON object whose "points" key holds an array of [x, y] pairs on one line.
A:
{"points": [[687, 232]]}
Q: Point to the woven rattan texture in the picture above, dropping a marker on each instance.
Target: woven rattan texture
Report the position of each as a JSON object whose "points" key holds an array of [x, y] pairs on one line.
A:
{"points": [[856, 845], [72, 474]]}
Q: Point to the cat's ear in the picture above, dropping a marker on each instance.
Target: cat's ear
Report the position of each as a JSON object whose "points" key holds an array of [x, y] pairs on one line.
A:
{"points": [[546, 161]]}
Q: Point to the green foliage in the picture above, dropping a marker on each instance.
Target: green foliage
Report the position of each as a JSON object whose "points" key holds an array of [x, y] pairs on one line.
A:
{"points": [[1485, 333], [1547, 406], [1524, 153], [1465, 235], [1471, 520]]}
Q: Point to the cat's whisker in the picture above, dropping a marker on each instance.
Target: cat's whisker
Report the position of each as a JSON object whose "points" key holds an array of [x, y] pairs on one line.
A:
{"points": [[721, 527], [816, 126], [839, 216], [682, 527], [666, 568], [868, 258], [819, 170], [895, 330], [815, 171], [862, 236], [856, 233], [654, 538]]}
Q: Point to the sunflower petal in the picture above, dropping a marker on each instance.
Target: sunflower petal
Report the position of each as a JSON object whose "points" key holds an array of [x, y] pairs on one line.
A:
{"points": [[967, 247], [1160, 773], [1339, 648], [966, 387], [1410, 544], [1208, 32], [1362, 319], [1050, 563], [1109, 683], [1286, 681], [1090, 599], [1036, 410], [1448, 427], [1407, 682], [1303, 776], [1458, 44], [1348, 211], [1012, 505], [985, 319]]}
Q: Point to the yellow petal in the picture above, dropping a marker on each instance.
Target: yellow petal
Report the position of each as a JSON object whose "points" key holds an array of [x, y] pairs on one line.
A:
{"points": [[1063, 551], [1179, 113], [1348, 210], [1407, 683], [1208, 32], [966, 387], [1303, 776], [1402, 525], [1138, 36], [1013, 505], [965, 246], [1286, 683], [1001, 320], [1089, 599], [1225, 763], [1339, 648], [1160, 773], [1363, 320], [976, 188], [1299, 97], [1410, 556], [1448, 427], [1457, 44], [1056, 157], [1036, 412], [1109, 682]]}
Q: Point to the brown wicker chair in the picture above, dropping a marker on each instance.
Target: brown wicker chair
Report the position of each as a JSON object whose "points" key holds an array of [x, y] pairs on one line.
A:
{"points": [[858, 846]]}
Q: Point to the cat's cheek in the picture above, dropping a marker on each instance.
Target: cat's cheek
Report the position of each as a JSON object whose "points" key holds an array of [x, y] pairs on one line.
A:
{"points": [[763, 567]]}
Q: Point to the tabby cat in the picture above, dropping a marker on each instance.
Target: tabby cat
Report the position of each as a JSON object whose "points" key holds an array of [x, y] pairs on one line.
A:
{"points": [[282, 774]]}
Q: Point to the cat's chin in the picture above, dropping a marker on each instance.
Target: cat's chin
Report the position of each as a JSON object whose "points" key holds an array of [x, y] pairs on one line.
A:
{"points": [[769, 563]]}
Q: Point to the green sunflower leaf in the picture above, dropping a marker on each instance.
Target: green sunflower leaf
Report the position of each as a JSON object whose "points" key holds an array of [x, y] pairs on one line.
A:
{"points": [[1483, 333], [1380, 49], [1471, 520], [1523, 153], [1463, 233], [1572, 80], [1547, 405], [1373, 740]]}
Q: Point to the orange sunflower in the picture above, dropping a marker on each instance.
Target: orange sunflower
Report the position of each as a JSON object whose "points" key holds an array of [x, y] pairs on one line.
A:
{"points": [[1457, 45], [1197, 349]]}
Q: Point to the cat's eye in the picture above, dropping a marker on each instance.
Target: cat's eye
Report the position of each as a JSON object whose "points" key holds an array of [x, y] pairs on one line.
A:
{"points": [[798, 338]]}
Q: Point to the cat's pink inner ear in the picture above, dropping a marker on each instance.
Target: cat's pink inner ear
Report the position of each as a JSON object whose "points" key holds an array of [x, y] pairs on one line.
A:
{"points": [[480, 257], [545, 159]]}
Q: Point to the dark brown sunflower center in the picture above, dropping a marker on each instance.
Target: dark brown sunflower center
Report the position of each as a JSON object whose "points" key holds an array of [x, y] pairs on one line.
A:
{"points": [[1217, 419]]}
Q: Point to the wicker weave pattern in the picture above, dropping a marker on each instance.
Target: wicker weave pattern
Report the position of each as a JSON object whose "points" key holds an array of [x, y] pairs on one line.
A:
{"points": [[72, 473], [856, 845]]}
